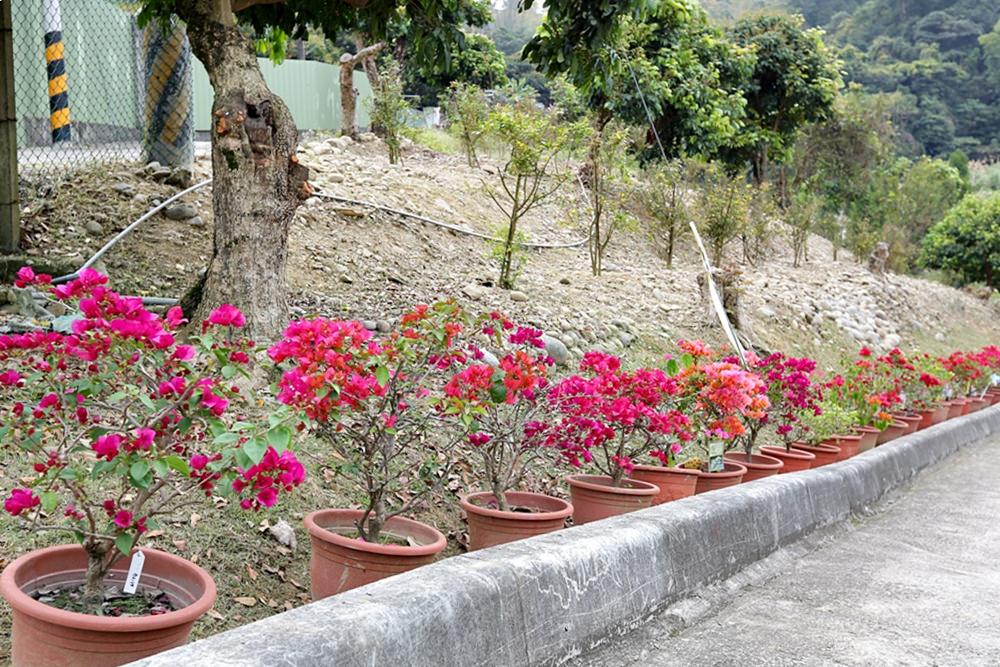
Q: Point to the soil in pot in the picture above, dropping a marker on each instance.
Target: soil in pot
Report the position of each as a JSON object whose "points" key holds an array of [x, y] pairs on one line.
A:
{"points": [[341, 560], [869, 434], [757, 465], [795, 460], [731, 475], [45, 636], [674, 483], [824, 453], [594, 498], [530, 514]]}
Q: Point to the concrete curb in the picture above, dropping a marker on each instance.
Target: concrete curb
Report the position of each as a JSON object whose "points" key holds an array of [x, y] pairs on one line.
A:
{"points": [[547, 599]]}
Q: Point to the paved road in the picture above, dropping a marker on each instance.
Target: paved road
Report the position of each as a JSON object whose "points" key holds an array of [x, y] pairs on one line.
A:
{"points": [[917, 583]]}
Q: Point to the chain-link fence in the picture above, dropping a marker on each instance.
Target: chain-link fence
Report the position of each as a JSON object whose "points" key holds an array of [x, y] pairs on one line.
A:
{"points": [[90, 86]]}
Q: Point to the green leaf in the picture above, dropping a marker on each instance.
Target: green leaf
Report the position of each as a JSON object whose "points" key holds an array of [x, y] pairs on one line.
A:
{"points": [[227, 438], [254, 449], [382, 375], [228, 371], [50, 500], [280, 438], [139, 474], [117, 396], [687, 361], [178, 464], [498, 392], [161, 468], [672, 367], [124, 543]]}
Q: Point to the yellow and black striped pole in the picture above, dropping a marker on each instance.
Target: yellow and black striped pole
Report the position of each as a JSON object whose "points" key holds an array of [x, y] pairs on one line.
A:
{"points": [[169, 117], [55, 63]]}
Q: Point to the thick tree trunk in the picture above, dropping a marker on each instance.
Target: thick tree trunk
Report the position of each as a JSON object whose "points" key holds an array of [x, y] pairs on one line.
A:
{"points": [[258, 181], [349, 96]]}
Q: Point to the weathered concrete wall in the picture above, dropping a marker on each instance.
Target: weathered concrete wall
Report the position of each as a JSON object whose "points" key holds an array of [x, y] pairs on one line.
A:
{"points": [[543, 600]]}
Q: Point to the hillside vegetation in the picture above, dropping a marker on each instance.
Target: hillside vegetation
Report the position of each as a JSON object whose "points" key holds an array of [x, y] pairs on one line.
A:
{"points": [[940, 57]]}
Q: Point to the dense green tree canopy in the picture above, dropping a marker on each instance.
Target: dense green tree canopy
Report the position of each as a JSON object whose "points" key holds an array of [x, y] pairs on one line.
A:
{"points": [[967, 241], [795, 80]]}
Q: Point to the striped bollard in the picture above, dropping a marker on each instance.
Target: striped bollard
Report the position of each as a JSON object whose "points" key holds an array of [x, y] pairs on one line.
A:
{"points": [[169, 113], [55, 64]]}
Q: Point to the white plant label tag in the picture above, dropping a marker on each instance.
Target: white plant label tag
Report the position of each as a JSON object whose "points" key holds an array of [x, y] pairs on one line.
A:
{"points": [[134, 573], [716, 451]]}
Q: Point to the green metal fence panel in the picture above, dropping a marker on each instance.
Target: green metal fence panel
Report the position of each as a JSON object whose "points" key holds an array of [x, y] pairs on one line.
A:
{"points": [[310, 89]]}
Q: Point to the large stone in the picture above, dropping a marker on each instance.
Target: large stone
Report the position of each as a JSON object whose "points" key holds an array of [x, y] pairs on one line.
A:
{"points": [[556, 349], [180, 211], [94, 228], [474, 291]]}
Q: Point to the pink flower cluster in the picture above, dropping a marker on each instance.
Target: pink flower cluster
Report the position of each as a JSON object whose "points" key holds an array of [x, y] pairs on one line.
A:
{"points": [[616, 414], [276, 473]]}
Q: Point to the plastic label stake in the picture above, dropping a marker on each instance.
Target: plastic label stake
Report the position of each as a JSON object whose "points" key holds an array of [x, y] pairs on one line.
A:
{"points": [[134, 573]]}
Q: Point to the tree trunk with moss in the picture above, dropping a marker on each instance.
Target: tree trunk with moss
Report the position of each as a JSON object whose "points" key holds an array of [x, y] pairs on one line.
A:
{"points": [[258, 181]]}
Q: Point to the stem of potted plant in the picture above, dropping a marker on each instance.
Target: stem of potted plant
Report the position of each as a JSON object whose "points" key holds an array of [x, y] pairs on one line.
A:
{"points": [[504, 411], [375, 403], [123, 426], [608, 418]]}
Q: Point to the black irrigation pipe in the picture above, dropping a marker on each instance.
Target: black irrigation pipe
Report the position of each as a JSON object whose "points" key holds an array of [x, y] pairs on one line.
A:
{"points": [[161, 301], [445, 225]]}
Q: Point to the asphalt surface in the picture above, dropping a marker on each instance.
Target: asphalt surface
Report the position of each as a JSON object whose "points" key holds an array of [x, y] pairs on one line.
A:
{"points": [[915, 583]]}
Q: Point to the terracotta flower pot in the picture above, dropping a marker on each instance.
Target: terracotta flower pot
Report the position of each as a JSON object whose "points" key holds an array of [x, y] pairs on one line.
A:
{"points": [[926, 419], [594, 498], [825, 454], [912, 422], [940, 414], [978, 404], [340, 562], [758, 465], [731, 475], [45, 636], [892, 431], [795, 460], [955, 407], [966, 406], [849, 445], [869, 434], [674, 483], [992, 396], [489, 525]]}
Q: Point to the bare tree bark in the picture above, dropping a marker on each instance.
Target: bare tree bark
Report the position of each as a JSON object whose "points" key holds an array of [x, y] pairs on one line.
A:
{"points": [[258, 181], [348, 95]]}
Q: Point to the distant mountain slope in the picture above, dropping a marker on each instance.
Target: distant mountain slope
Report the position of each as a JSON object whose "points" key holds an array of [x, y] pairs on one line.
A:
{"points": [[941, 56]]}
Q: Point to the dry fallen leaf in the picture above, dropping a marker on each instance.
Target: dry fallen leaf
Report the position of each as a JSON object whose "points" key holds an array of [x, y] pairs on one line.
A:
{"points": [[246, 602], [252, 572], [216, 615]]}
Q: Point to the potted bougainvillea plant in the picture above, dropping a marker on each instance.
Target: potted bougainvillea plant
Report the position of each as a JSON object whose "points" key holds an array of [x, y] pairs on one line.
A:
{"points": [[504, 409], [606, 418], [792, 394], [823, 429], [926, 389], [870, 394], [122, 425], [375, 404], [724, 398]]}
